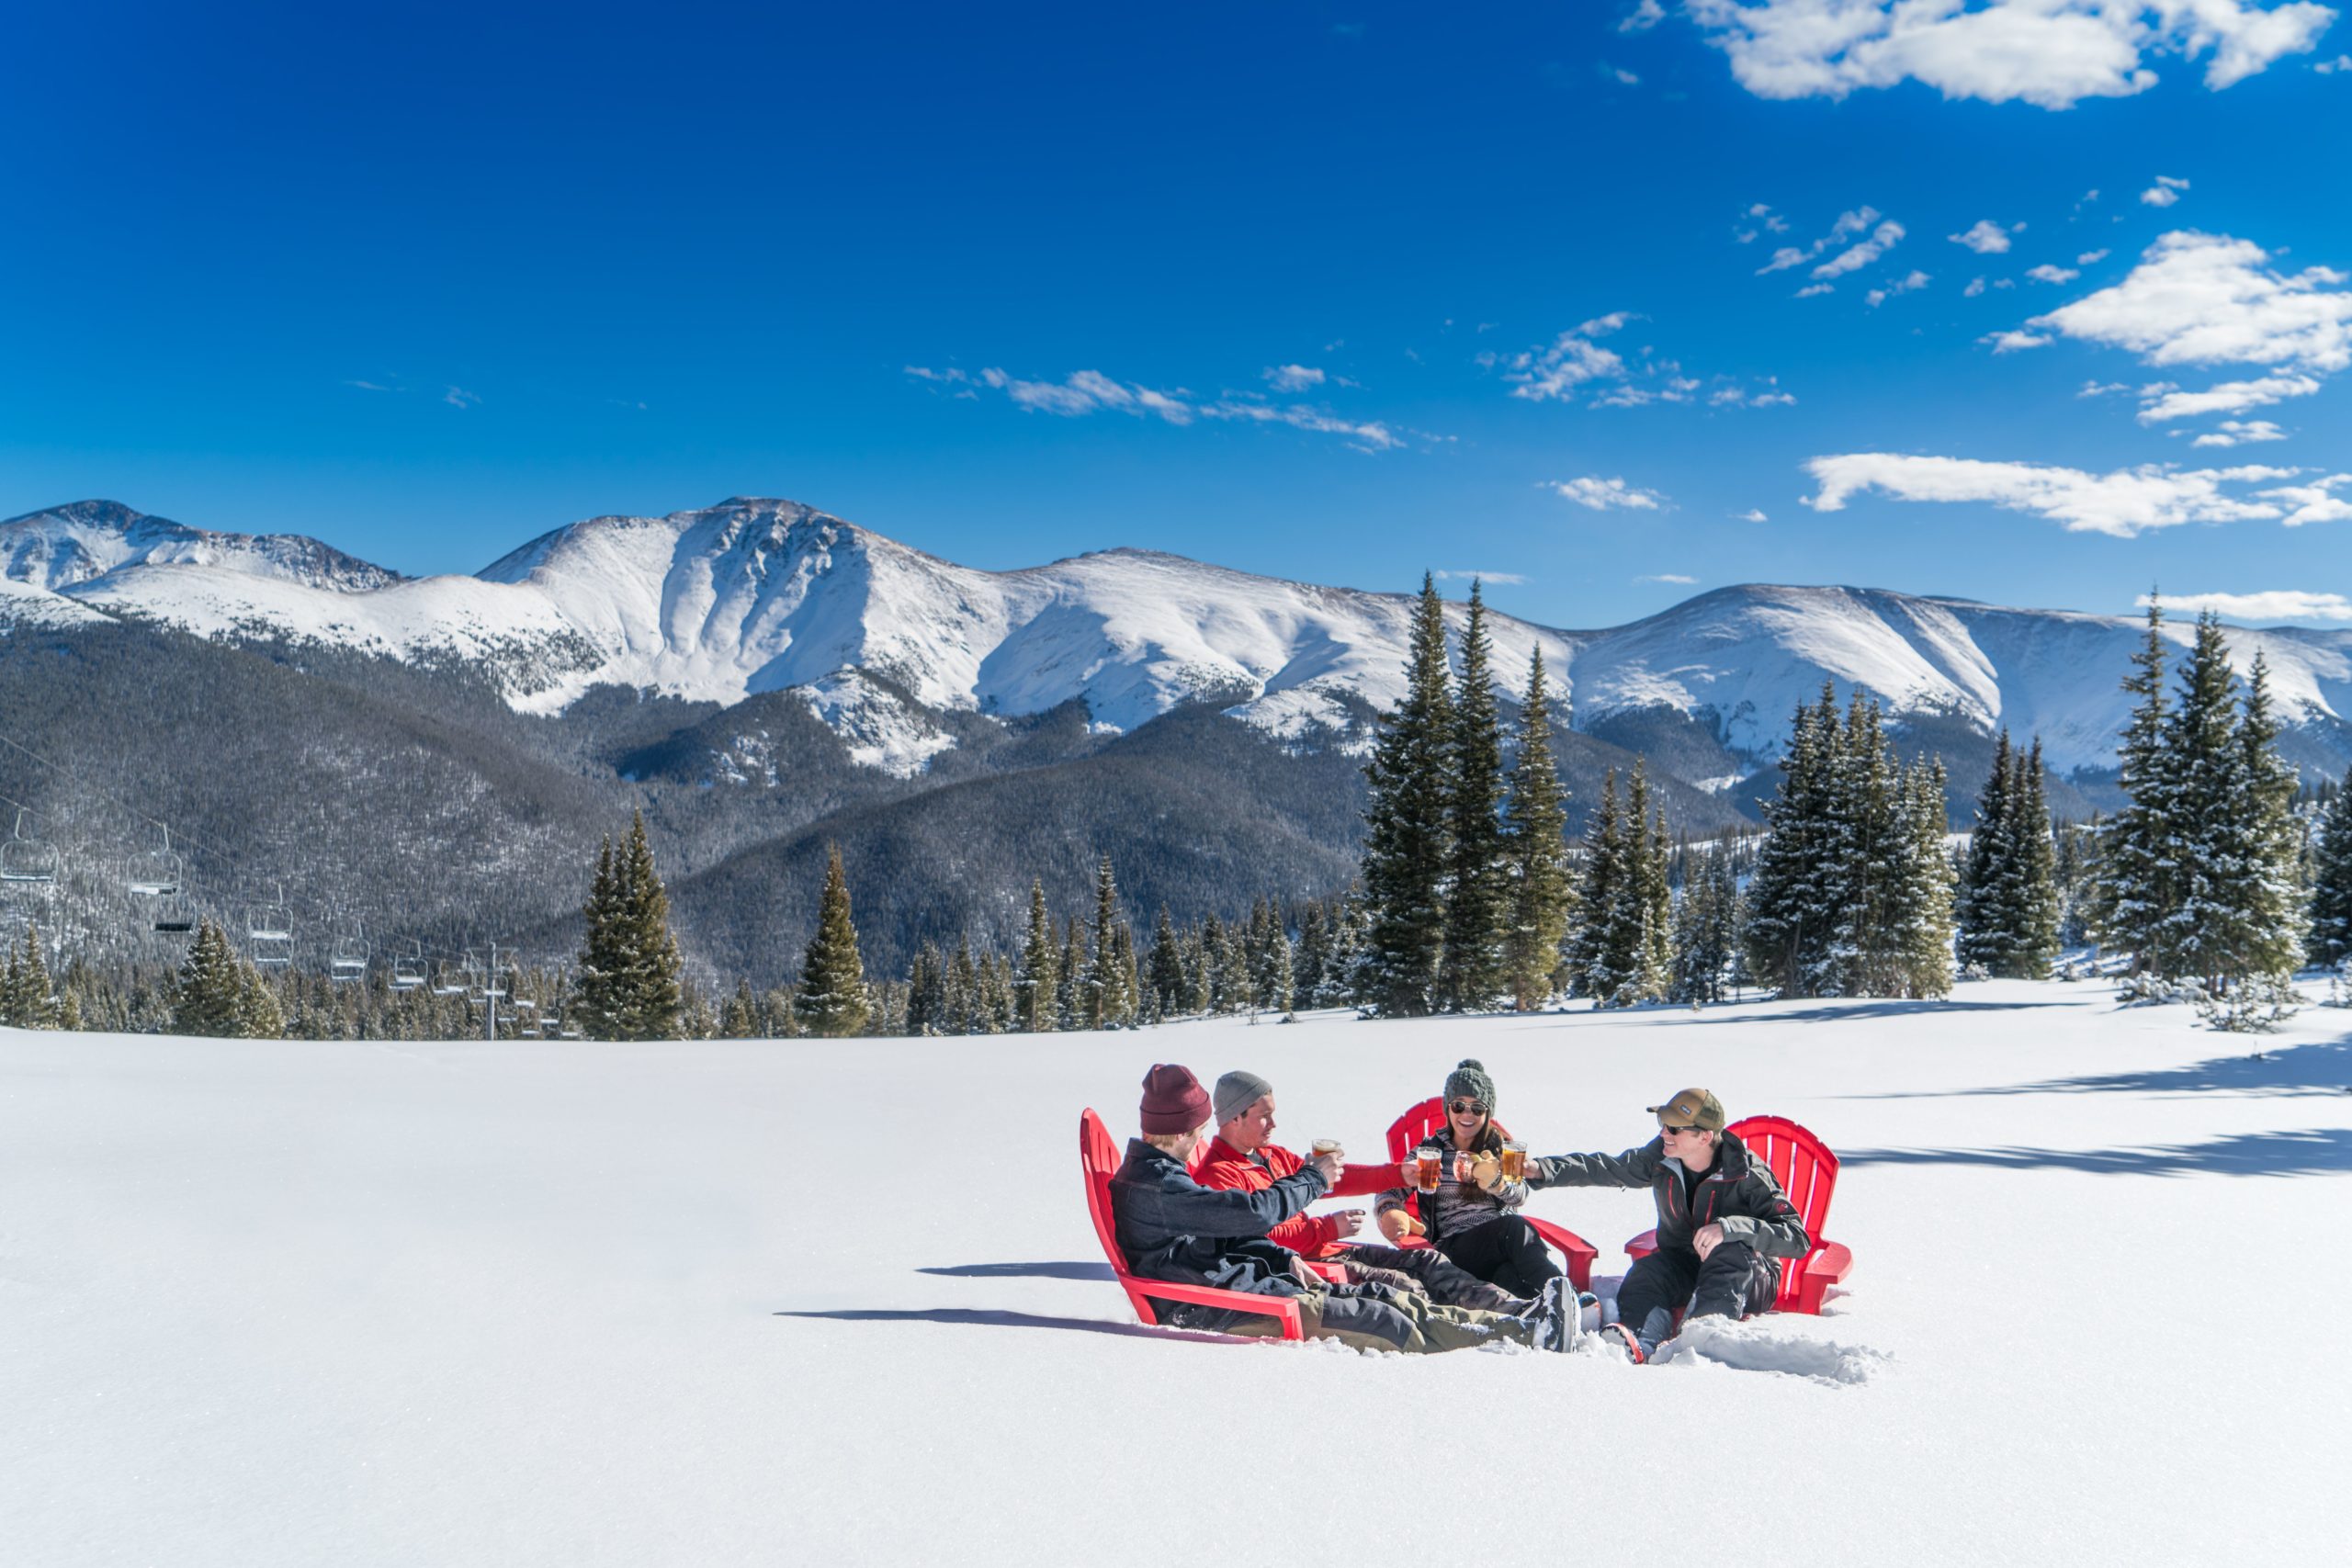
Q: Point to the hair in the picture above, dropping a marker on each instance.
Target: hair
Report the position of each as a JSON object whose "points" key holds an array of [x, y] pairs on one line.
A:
{"points": [[1170, 1143]]}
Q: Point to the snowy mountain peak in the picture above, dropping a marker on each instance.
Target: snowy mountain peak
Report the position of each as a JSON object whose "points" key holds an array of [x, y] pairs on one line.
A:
{"points": [[85, 541]]}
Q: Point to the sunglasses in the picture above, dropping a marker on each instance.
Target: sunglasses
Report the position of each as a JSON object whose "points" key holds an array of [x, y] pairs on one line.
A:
{"points": [[1467, 1107], [1669, 1130]]}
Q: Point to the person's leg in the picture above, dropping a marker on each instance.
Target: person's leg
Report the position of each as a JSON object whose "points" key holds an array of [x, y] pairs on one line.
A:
{"points": [[1464, 1328], [1438, 1277], [1526, 1261], [1733, 1281], [1653, 1287], [1365, 1323]]}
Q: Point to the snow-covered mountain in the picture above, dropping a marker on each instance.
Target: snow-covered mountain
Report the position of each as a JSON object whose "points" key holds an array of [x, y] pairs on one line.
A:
{"points": [[763, 596]]}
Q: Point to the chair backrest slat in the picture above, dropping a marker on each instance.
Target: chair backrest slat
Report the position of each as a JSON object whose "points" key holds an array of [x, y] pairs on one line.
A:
{"points": [[1100, 1157], [1806, 1171]]}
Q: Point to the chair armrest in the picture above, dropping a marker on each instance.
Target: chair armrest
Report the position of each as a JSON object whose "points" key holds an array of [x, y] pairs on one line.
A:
{"points": [[1828, 1264], [1331, 1271], [1643, 1244], [1284, 1308], [1579, 1253]]}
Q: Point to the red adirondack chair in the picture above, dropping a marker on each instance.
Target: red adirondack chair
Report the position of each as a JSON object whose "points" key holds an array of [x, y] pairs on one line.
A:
{"points": [[1807, 1172], [1098, 1159], [1406, 1134]]}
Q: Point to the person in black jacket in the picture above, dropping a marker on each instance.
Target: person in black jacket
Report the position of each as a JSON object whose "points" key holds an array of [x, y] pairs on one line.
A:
{"points": [[1170, 1228], [1723, 1221]]}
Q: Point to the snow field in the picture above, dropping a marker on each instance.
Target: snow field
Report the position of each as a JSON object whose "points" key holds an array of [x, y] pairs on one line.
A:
{"points": [[267, 1302]]}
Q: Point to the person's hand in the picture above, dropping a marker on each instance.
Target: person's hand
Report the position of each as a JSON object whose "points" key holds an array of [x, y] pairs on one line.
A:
{"points": [[1307, 1275], [1486, 1171], [1346, 1221], [1329, 1165], [1408, 1174], [1396, 1224], [1708, 1239]]}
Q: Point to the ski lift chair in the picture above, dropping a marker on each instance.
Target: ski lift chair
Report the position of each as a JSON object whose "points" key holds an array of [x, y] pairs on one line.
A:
{"points": [[24, 859], [408, 973], [174, 914], [159, 873], [455, 980], [348, 959], [269, 933]]}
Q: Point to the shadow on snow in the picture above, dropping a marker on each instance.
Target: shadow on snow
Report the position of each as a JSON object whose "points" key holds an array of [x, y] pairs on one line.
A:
{"points": [[1101, 1272], [2316, 1151], [2324, 1068], [992, 1317]]}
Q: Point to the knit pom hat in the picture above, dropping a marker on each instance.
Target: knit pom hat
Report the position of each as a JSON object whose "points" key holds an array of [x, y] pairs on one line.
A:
{"points": [[1173, 1099], [1469, 1081]]}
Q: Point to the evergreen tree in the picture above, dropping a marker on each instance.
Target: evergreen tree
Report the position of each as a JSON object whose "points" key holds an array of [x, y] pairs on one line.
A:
{"points": [[1921, 944], [739, 1016], [1039, 980], [1589, 972], [2331, 924], [629, 966], [1477, 900], [1541, 895], [1406, 849], [2038, 897], [1705, 934], [1986, 917], [1167, 967], [259, 1017], [832, 1000], [208, 1001], [1107, 1001], [2269, 893], [2137, 890], [2208, 929], [1790, 901], [1070, 992], [1314, 959]]}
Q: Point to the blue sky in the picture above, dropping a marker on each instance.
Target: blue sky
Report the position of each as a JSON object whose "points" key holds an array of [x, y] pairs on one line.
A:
{"points": [[1333, 292]]}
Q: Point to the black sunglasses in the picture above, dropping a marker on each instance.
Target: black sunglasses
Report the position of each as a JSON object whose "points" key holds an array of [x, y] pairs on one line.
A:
{"points": [[1467, 1107]]}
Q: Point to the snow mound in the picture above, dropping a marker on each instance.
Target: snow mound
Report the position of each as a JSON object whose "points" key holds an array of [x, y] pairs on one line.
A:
{"points": [[1775, 1345]]}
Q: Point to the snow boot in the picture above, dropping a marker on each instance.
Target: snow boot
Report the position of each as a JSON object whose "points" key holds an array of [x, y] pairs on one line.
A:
{"points": [[1552, 1322], [1620, 1336]]}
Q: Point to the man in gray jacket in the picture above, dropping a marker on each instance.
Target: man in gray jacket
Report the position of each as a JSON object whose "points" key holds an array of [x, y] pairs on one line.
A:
{"points": [[1723, 1221]]}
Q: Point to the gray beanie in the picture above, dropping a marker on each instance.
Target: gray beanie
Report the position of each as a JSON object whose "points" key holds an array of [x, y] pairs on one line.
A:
{"points": [[1237, 1092], [1468, 1081]]}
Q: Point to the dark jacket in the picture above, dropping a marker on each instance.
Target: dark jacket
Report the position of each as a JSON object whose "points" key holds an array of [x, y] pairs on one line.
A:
{"points": [[1734, 1193], [1458, 1206], [1171, 1227]]}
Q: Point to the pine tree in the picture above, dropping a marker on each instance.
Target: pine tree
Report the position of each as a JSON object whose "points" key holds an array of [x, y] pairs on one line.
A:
{"points": [[738, 1015], [832, 1000], [629, 966], [259, 1017], [1987, 923], [1541, 895], [1791, 904], [1070, 992], [1921, 940], [1478, 901], [2331, 923], [1704, 933], [1167, 967], [211, 988], [1314, 958], [2210, 929], [1589, 973], [1039, 980], [2270, 891], [1406, 852], [1107, 1003], [2137, 892], [604, 957], [2038, 897]]}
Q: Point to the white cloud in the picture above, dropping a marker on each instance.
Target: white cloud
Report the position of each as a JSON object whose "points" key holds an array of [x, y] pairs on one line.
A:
{"points": [[1619, 74], [1512, 578], [459, 398], [2238, 432], [2101, 389], [2165, 192], [1858, 256], [2046, 272], [1975, 287], [2087, 257], [1090, 392], [1673, 577], [1987, 238], [1813, 290], [1643, 18], [1571, 360], [1787, 256], [2012, 341], [1293, 377], [1876, 297], [1574, 364], [2124, 503], [2162, 400], [2329, 67], [370, 387], [1761, 213], [2313, 503], [1753, 514], [2053, 54], [2272, 606], [2198, 298], [1369, 436], [1607, 495]]}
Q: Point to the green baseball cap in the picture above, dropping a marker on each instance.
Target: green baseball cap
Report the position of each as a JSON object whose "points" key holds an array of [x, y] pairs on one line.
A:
{"points": [[1690, 1108]]}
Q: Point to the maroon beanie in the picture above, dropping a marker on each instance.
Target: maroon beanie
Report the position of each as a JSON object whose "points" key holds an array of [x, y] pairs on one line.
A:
{"points": [[1173, 1099]]}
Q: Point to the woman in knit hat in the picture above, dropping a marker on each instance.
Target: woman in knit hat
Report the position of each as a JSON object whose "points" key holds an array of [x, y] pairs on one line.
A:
{"points": [[1472, 1216]]}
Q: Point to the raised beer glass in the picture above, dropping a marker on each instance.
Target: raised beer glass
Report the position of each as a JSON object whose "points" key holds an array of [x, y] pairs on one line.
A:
{"points": [[1426, 1158], [1514, 1160]]}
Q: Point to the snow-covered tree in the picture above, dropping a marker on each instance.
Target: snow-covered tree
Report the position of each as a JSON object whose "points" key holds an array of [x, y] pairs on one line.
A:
{"points": [[211, 987], [1109, 1000], [1034, 987], [1705, 935], [2008, 905], [1597, 872], [1790, 901], [629, 967], [1478, 900], [2331, 923], [2136, 891]]}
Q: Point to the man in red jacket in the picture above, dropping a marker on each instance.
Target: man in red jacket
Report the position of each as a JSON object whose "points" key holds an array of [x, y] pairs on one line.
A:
{"points": [[1243, 1158]]}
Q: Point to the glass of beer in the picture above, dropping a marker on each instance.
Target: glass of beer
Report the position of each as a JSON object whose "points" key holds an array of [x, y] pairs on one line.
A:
{"points": [[1322, 1146], [1514, 1160], [1426, 1161]]}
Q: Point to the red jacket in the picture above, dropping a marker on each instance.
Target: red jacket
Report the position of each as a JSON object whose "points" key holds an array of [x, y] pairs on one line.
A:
{"points": [[1317, 1235]]}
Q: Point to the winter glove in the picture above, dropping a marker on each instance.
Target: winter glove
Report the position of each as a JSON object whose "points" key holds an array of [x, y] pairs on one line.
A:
{"points": [[1396, 1224], [1488, 1173]]}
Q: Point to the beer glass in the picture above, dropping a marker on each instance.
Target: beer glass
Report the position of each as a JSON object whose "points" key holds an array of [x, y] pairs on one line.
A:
{"points": [[1514, 1160], [1426, 1158], [1322, 1146]]}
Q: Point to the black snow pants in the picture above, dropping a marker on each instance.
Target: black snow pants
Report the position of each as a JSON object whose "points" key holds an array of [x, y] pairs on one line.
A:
{"points": [[1733, 1281], [1505, 1252], [1430, 1271]]}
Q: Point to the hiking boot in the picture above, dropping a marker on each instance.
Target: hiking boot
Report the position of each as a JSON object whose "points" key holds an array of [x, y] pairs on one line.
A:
{"points": [[1618, 1335], [1550, 1320]]}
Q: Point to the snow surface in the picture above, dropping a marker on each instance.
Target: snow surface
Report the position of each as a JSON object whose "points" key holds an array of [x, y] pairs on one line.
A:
{"points": [[757, 1303]]}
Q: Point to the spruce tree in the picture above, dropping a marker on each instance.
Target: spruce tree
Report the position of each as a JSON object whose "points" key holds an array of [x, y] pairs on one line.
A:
{"points": [[831, 999], [1040, 966], [1070, 992], [1314, 958], [1478, 901], [1107, 1002], [604, 983], [2136, 892], [208, 1000], [1588, 960], [2330, 938], [259, 1017], [2037, 897], [1542, 895], [1167, 965], [1704, 931], [1790, 898], [2270, 894], [1921, 941], [1407, 848], [1987, 922]]}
